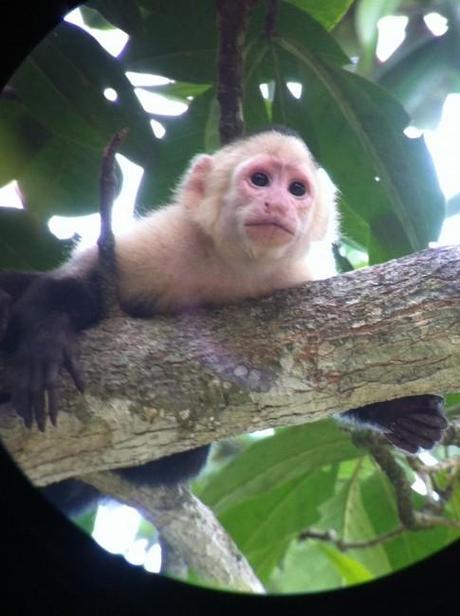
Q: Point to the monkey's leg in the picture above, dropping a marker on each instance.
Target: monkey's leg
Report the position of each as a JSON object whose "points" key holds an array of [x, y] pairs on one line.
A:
{"points": [[42, 337], [410, 423]]}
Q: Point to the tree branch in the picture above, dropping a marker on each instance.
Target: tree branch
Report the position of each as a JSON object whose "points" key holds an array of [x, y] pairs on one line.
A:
{"points": [[232, 18], [189, 527], [159, 386]]}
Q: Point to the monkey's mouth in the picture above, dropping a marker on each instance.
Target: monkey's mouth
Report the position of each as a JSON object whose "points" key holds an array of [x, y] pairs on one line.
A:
{"points": [[269, 230]]}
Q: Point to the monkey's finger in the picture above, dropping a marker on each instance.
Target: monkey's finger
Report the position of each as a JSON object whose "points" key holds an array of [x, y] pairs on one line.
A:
{"points": [[417, 428], [401, 443], [38, 410], [418, 440], [37, 394], [20, 401], [51, 374], [435, 420], [53, 405], [72, 367], [51, 378], [433, 402]]}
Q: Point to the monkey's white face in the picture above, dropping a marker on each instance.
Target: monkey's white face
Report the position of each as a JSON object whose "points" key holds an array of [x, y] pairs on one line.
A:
{"points": [[273, 199]]}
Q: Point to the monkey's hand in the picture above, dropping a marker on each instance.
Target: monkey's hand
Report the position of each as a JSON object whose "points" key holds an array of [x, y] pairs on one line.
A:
{"points": [[40, 352], [410, 423]]}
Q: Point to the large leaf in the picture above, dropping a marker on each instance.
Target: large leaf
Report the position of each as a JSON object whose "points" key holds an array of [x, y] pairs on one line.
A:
{"points": [[419, 75], [355, 130], [301, 30], [367, 15], [179, 41], [409, 547], [124, 15], [27, 245], [327, 13], [194, 131], [306, 567], [346, 513], [21, 138], [62, 83], [61, 87], [264, 526], [62, 179], [288, 455]]}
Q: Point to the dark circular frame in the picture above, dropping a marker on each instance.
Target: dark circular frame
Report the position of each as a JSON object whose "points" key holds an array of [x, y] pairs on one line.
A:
{"points": [[49, 564]]}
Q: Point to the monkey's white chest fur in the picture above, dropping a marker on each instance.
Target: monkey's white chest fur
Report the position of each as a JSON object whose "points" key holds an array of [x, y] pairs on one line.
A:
{"points": [[167, 258]]}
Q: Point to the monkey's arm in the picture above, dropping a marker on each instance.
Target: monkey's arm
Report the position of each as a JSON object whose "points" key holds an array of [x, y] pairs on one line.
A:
{"points": [[410, 423], [41, 337]]}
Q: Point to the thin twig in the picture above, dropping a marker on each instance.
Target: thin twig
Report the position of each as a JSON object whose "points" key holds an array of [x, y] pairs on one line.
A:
{"points": [[424, 521], [452, 464], [331, 537], [427, 520]]}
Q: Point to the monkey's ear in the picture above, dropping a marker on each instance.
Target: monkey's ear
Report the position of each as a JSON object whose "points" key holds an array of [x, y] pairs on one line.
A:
{"points": [[194, 183], [325, 221]]}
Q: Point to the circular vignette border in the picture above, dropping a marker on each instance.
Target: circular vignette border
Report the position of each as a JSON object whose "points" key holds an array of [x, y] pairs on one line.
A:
{"points": [[50, 564]]}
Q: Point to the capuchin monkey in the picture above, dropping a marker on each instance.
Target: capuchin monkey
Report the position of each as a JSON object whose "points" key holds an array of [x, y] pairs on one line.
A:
{"points": [[242, 223]]}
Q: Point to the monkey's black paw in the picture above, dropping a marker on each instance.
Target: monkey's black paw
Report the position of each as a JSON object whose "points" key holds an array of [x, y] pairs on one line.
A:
{"points": [[37, 360], [410, 423]]}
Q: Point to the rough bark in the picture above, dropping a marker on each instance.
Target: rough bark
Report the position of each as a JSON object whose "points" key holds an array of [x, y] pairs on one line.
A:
{"points": [[160, 386], [189, 527], [232, 17]]}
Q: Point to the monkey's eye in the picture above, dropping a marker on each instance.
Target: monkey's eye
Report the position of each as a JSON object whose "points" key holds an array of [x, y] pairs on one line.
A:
{"points": [[260, 179], [298, 189]]}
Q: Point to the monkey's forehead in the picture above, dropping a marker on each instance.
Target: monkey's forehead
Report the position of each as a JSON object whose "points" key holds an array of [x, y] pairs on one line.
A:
{"points": [[284, 147]]}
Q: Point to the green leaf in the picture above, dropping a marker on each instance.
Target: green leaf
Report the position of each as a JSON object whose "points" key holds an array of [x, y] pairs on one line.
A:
{"points": [[352, 124], [26, 245], [351, 570], [21, 138], [62, 84], [367, 15], [419, 77], [409, 547], [286, 456], [346, 513], [264, 525], [300, 29], [60, 88], [327, 13], [124, 15], [62, 179], [186, 135], [306, 567], [179, 41], [255, 111]]}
